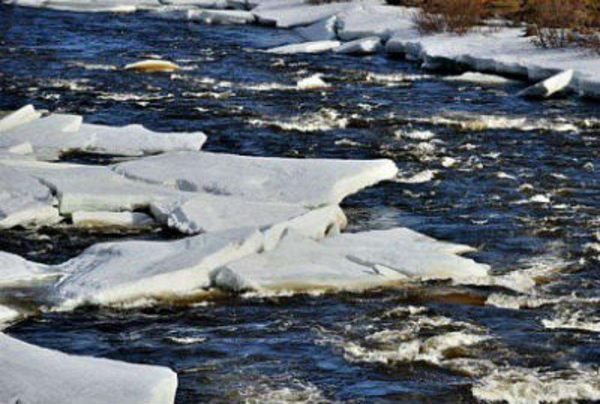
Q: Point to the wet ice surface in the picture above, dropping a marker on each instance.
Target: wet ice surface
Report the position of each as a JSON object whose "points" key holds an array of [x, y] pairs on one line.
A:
{"points": [[525, 192]]}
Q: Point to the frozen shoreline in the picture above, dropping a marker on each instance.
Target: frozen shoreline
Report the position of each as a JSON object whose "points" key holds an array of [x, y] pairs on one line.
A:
{"points": [[357, 24]]}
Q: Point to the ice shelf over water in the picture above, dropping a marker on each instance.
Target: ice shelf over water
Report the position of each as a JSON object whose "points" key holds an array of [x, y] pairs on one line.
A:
{"points": [[33, 375], [24, 200], [57, 134], [153, 268], [308, 182]]}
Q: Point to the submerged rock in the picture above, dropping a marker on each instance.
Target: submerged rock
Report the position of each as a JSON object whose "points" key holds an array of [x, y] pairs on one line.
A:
{"points": [[58, 134], [34, 375], [153, 66]]}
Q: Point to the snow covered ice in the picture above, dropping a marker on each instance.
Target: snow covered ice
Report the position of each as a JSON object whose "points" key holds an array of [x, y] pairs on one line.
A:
{"points": [[308, 182], [33, 375]]}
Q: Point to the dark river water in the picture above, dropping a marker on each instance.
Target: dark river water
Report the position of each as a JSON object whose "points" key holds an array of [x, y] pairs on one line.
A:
{"points": [[517, 179]]}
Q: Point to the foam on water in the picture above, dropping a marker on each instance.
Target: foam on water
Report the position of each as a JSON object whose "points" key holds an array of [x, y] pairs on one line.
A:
{"points": [[532, 386]]}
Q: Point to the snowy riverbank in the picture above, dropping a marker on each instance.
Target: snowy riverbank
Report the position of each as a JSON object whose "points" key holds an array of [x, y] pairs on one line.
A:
{"points": [[367, 26]]}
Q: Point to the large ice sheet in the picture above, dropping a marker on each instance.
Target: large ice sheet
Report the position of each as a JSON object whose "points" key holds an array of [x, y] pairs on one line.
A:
{"points": [[221, 16], [17, 270], [124, 271], [134, 140], [207, 213], [290, 17], [299, 263], [59, 133], [308, 182], [96, 188], [19, 117], [46, 135], [24, 200], [34, 375], [408, 252]]}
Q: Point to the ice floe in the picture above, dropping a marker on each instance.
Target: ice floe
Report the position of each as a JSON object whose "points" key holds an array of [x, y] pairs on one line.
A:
{"points": [[505, 51], [550, 86], [57, 134], [324, 30], [208, 213], [308, 182], [407, 252], [305, 47], [154, 268], [17, 270], [30, 374], [368, 20], [96, 188], [221, 16], [299, 263], [24, 200], [19, 117], [362, 46], [479, 78], [111, 219]]}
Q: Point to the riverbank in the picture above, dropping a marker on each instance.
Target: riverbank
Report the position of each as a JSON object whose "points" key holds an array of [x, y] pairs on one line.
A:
{"points": [[501, 50]]}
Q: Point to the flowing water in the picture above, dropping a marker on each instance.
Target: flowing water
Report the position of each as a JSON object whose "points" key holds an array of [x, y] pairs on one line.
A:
{"points": [[517, 179]]}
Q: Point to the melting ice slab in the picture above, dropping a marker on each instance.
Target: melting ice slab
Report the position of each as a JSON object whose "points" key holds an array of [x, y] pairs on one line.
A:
{"points": [[14, 269], [94, 188], [307, 182], [347, 261], [299, 263], [407, 252], [122, 271], [57, 134], [33, 375], [24, 200]]}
